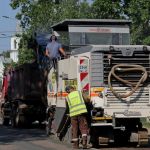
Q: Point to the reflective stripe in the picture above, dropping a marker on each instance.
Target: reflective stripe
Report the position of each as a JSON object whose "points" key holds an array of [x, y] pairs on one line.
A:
{"points": [[77, 110], [76, 103], [75, 139], [84, 135], [81, 98], [76, 98], [73, 96]]}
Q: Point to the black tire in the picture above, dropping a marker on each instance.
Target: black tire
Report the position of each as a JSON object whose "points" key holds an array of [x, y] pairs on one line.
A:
{"points": [[20, 120], [13, 122], [13, 117], [5, 121]]}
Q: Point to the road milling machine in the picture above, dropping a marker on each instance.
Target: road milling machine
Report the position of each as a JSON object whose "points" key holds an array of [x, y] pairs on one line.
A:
{"points": [[112, 72]]}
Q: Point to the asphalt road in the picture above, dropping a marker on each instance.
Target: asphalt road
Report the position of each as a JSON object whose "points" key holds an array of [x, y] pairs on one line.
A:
{"points": [[28, 139], [35, 139]]}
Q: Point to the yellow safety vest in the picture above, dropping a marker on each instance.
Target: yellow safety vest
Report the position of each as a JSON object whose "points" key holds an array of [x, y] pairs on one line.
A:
{"points": [[76, 103]]}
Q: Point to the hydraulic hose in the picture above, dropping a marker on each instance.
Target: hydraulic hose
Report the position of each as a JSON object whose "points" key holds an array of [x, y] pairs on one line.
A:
{"points": [[127, 68]]}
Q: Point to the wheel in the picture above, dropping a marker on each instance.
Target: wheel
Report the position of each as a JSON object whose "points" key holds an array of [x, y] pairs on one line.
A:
{"points": [[21, 120], [5, 121], [13, 117], [18, 120], [13, 121]]}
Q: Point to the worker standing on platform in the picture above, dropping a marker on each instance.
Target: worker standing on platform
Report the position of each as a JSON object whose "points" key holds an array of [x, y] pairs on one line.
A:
{"points": [[54, 49], [77, 112]]}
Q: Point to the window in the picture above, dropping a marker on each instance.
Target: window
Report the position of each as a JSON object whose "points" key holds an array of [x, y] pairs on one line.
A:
{"points": [[98, 38], [15, 44], [76, 38]]}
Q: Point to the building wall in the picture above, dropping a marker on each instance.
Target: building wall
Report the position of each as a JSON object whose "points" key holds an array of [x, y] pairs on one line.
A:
{"points": [[14, 48], [1, 67], [14, 55]]}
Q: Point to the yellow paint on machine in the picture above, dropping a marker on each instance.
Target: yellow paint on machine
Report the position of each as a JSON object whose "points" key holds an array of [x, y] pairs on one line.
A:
{"points": [[102, 118], [97, 89]]}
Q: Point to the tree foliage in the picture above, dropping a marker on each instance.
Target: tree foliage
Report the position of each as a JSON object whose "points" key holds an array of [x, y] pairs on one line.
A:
{"points": [[39, 15], [27, 49], [102, 9], [139, 12], [42, 14], [6, 54]]}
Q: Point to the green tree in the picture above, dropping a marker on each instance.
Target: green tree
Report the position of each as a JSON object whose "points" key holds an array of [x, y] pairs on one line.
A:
{"points": [[40, 15], [106, 9], [6, 54], [35, 15], [139, 12], [84, 10], [27, 49]]}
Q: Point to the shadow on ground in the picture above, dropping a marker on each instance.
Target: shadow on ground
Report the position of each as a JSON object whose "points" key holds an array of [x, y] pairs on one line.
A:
{"points": [[9, 134]]}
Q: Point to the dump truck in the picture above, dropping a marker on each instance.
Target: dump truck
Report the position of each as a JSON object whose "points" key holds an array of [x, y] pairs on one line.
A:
{"points": [[25, 95], [112, 72]]}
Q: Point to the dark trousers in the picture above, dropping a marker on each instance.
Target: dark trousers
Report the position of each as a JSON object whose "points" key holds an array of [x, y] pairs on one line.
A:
{"points": [[49, 63], [55, 62], [79, 125]]}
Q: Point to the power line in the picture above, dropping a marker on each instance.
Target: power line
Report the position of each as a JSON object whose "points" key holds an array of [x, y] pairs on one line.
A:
{"points": [[6, 36], [3, 45], [9, 31], [8, 17]]}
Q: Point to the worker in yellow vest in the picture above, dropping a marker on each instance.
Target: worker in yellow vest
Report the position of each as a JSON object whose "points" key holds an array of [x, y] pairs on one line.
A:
{"points": [[77, 112]]}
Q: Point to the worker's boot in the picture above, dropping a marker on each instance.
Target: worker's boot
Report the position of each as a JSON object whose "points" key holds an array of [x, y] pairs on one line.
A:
{"points": [[84, 142], [75, 144]]}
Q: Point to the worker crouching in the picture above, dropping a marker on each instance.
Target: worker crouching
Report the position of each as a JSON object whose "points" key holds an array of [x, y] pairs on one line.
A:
{"points": [[77, 112]]}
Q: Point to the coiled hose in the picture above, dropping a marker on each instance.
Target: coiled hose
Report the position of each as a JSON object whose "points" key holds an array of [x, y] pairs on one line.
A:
{"points": [[127, 68]]}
